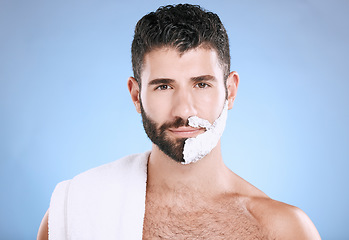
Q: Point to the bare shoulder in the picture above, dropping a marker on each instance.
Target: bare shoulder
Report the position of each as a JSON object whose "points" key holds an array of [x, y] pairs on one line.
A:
{"points": [[43, 229], [283, 221]]}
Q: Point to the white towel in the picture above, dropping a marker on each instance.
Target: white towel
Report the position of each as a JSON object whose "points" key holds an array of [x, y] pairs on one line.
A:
{"points": [[107, 202]]}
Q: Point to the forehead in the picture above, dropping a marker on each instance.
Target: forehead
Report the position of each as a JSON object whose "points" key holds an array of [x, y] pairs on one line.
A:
{"points": [[167, 62]]}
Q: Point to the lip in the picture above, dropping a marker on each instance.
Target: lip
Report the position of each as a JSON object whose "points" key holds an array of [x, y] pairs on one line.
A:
{"points": [[186, 132]]}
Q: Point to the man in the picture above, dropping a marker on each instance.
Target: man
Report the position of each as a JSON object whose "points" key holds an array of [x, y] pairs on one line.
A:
{"points": [[183, 87]]}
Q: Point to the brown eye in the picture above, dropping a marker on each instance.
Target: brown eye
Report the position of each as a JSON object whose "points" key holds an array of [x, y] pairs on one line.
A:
{"points": [[163, 87], [202, 85]]}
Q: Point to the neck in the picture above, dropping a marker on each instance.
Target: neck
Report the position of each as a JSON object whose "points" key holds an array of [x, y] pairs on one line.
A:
{"points": [[208, 175]]}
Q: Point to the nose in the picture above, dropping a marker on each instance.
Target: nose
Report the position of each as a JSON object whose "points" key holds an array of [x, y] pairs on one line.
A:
{"points": [[183, 105]]}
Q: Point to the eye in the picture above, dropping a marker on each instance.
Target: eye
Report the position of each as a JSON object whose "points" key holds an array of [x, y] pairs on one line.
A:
{"points": [[163, 87], [202, 85]]}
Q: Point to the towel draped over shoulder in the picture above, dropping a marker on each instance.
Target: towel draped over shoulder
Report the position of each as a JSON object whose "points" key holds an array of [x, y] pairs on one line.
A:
{"points": [[107, 202]]}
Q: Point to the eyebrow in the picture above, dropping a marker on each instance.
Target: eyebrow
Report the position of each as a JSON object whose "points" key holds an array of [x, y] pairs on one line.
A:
{"points": [[160, 81], [203, 78]]}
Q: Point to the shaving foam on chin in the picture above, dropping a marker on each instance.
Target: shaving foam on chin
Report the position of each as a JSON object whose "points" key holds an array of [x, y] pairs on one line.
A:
{"points": [[198, 147]]}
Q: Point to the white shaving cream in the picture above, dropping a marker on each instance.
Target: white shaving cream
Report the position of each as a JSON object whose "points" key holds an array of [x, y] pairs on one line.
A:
{"points": [[198, 147]]}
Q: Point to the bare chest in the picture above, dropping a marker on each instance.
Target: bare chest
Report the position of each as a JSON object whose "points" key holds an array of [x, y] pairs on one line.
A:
{"points": [[213, 221]]}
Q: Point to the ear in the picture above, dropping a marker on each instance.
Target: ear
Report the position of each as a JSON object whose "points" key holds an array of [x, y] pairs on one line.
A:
{"points": [[232, 87], [133, 88]]}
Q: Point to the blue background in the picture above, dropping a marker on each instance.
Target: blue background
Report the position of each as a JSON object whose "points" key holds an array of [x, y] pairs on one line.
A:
{"points": [[65, 106]]}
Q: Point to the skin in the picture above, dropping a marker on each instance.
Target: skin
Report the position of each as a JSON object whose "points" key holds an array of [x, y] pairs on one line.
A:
{"points": [[207, 186], [43, 229], [202, 200]]}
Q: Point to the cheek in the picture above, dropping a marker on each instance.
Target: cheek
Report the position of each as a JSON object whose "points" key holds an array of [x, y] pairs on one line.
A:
{"points": [[155, 106], [210, 104]]}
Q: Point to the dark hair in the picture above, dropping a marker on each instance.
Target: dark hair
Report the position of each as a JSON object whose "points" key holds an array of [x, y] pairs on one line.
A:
{"points": [[183, 27]]}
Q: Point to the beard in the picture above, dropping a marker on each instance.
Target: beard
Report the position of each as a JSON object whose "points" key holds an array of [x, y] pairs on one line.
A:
{"points": [[172, 147]]}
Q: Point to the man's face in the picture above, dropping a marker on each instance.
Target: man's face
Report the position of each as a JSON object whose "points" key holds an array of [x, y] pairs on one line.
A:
{"points": [[176, 87]]}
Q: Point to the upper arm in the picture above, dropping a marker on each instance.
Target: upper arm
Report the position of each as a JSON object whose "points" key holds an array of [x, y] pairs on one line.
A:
{"points": [[283, 221], [43, 229], [292, 223]]}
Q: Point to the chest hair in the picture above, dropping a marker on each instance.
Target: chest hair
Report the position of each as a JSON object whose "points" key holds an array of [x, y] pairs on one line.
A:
{"points": [[198, 219]]}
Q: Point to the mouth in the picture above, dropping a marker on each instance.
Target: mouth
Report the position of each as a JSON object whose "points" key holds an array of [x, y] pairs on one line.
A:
{"points": [[186, 132]]}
